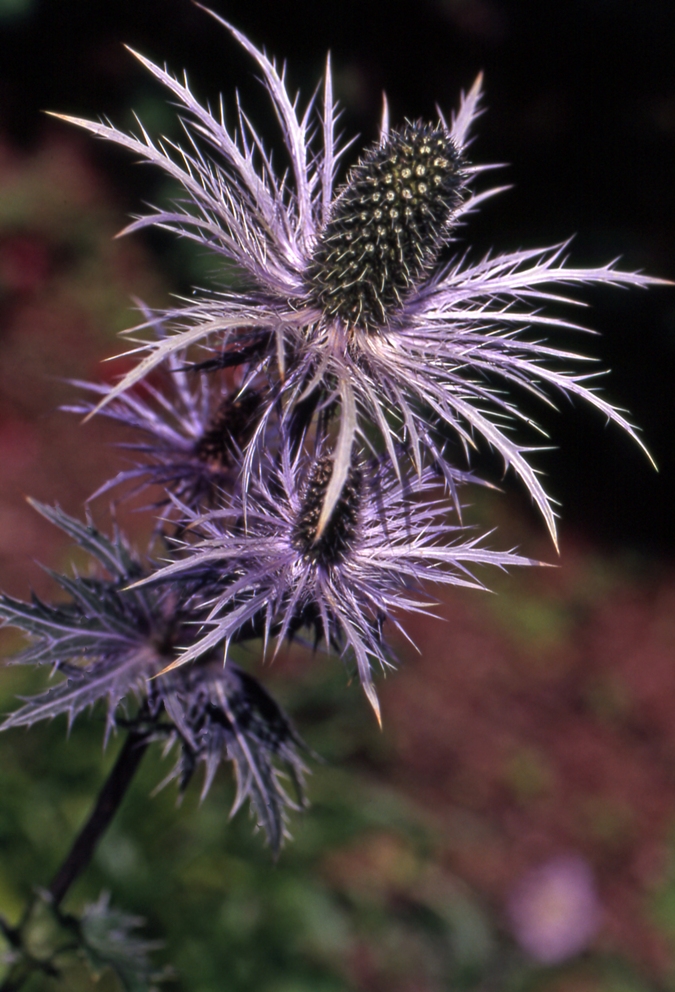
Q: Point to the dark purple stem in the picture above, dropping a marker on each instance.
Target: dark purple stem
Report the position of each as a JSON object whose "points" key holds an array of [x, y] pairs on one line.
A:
{"points": [[107, 804]]}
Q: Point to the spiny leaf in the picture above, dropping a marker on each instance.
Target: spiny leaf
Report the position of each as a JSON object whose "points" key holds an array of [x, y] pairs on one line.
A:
{"points": [[108, 940], [114, 556], [82, 691], [224, 714]]}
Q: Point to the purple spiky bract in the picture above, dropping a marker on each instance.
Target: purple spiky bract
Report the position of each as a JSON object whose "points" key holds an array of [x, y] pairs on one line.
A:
{"points": [[109, 645]]}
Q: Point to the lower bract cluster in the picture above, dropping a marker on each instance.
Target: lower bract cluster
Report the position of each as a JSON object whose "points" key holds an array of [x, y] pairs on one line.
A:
{"points": [[263, 568], [110, 644]]}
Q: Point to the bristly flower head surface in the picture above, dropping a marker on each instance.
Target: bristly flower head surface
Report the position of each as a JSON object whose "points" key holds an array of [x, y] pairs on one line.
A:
{"points": [[387, 226], [347, 309]]}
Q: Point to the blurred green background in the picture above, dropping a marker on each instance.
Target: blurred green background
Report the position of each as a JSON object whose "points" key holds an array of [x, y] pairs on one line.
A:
{"points": [[534, 726]]}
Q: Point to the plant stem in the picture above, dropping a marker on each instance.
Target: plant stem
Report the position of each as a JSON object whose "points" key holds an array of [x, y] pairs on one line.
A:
{"points": [[79, 856], [107, 804]]}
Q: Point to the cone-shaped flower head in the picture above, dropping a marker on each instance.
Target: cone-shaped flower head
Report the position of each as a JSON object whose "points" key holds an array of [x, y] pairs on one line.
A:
{"points": [[387, 226], [345, 303]]}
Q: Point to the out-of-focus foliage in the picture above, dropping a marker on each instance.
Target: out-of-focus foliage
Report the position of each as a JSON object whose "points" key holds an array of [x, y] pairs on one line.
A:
{"points": [[102, 941], [65, 289], [369, 896], [225, 911]]}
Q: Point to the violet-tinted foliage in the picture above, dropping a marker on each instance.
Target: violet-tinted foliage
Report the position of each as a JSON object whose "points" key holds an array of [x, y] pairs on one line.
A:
{"points": [[109, 938], [189, 432], [293, 433], [108, 644]]}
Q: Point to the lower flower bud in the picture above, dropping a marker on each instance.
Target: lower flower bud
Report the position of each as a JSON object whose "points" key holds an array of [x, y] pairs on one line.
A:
{"points": [[339, 534]]}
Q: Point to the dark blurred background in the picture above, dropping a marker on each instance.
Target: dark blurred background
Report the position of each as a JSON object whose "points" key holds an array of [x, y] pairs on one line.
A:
{"points": [[512, 827], [580, 102]]}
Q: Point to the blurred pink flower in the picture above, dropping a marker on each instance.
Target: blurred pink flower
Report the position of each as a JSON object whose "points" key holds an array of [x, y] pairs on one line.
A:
{"points": [[554, 910]]}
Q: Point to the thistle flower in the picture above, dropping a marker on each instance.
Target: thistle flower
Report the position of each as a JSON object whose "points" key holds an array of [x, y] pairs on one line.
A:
{"points": [[109, 645], [264, 566], [347, 305]]}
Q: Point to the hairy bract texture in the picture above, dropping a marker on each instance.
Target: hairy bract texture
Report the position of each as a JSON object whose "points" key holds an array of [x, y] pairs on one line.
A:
{"points": [[347, 307]]}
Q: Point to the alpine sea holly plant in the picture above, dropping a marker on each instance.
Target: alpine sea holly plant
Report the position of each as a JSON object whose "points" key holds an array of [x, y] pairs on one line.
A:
{"points": [[293, 435]]}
